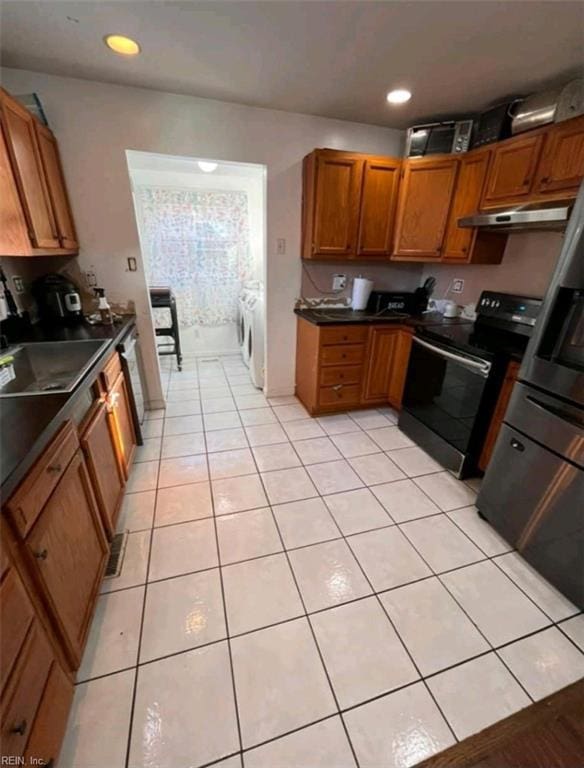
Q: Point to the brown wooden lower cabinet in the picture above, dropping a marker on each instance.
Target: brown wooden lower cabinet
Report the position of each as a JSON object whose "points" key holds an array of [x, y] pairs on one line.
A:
{"points": [[499, 413], [53, 555], [120, 416], [343, 367], [99, 446], [67, 551]]}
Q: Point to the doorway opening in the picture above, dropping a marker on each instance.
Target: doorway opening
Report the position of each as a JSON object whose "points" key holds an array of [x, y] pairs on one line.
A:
{"points": [[202, 226]]}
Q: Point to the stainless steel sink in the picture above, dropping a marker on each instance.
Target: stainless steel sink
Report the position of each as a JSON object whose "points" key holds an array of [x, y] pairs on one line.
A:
{"points": [[48, 367]]}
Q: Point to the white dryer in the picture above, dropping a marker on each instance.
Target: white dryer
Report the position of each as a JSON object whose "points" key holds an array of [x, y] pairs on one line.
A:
{"points": [[243, 318]]}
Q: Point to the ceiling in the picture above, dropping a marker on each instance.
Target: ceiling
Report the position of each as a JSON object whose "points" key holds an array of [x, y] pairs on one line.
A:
{"points": [[336, 59]]}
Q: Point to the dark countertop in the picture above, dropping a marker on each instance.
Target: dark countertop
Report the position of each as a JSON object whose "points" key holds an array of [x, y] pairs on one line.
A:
{"points": [[28, 424], [363, 317]]}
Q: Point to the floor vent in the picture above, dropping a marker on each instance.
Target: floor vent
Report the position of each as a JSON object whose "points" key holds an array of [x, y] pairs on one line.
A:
{"points": [[116, 558]]}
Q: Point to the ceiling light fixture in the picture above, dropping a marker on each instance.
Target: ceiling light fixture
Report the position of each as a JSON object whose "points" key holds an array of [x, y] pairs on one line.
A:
{"points": [[399, 96], [123, 45], [206, 166]]}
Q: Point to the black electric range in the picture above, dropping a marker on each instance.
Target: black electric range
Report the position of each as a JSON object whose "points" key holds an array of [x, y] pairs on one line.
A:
{"points": [[455, 375]]}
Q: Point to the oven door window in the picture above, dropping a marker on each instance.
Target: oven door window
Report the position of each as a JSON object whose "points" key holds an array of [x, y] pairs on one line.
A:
{"points": [[443, 394]]}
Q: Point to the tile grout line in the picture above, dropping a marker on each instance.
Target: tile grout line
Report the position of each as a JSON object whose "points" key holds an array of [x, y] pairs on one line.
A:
{"points": [[306, 615], [143, 613]]}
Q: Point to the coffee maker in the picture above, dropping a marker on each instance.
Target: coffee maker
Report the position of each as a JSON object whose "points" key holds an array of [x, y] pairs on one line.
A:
{"points": [[57, 299]]}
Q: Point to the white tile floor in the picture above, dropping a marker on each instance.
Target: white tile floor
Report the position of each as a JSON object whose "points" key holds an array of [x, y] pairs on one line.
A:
{"points": [[304, 593]]}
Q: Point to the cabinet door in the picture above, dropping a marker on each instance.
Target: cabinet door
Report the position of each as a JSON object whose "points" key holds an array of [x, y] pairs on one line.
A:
{"points": [[336, 208], [378, 202], [14, 240], [68, 551], [562, 163], [120, 416], [105, 471], [56, 186], [467, 196], [424, 202], [380, 359], [512, 171], [399, 369], [22, 144]]}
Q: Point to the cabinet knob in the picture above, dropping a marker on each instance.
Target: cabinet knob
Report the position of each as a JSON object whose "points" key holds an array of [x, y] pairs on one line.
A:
{"points": [[545, 180], [337, 387], [54, 469], [42, 555], [526, 181], [20, 728]]}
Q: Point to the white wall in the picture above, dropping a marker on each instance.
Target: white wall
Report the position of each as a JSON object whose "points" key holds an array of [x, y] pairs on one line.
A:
{"points": [[95, 123]]}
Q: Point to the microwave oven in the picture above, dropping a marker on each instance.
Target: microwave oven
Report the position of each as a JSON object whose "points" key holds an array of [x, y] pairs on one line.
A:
{"points": [[438, 138]]}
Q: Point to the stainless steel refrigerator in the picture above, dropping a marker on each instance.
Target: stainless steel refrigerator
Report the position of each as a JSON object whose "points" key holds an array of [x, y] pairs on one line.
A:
{"points": [[533, 491]]}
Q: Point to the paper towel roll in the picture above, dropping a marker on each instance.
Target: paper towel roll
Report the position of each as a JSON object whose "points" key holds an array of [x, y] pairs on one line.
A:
{"points": [[361, 292]]}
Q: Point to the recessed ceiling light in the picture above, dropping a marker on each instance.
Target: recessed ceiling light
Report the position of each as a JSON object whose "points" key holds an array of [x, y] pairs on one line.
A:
{"points": [[123, 45], [399, 96], [206, 167]]}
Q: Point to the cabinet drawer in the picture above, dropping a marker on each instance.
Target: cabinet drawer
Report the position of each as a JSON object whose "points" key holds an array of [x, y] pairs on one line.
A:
{"points": [[21, 702], [343, 395], [111, 371], [347, 354], [30, 497], [16, 615], [343, 334], [341, 374]]}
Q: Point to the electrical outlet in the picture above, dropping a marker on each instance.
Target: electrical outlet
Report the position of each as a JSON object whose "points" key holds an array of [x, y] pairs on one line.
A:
{"points": [[457, 285], [132, 265], [339, 282], [18, 284], [91, 279], [281, 246]]}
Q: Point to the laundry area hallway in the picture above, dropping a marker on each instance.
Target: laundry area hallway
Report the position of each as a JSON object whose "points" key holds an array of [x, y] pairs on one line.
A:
{"points": [[202, 236]]}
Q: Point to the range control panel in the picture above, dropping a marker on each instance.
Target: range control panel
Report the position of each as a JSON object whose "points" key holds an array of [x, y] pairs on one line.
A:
{"points": [[509, 307]]}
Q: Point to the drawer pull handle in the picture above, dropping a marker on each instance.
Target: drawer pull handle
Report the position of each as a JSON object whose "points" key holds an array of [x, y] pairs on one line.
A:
{"points": [[42, 555], [337, 387], [20, 728], [54, 469]]}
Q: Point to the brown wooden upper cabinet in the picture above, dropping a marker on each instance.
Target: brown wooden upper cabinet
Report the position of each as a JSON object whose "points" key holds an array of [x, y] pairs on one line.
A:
{"points": [[512, 171], [378, 202], [56, 185], [561, 168], [35, 180], [348, 205], [464, 245], [425, 195]]}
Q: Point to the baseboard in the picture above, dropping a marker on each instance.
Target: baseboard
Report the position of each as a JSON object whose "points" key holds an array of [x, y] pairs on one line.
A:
{"points": [[155, 405]]}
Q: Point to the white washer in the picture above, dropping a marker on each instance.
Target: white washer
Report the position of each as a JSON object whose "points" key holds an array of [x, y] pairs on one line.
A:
{"points": [[243, 318], [255, 346]]}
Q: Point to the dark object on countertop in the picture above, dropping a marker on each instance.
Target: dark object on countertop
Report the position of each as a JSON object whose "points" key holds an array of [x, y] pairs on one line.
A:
{"points": [[402, 301], [8, 297], [57, 299], [163, 298]]}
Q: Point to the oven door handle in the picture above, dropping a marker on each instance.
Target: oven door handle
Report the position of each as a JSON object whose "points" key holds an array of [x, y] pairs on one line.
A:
{"points": [[479, 366]]}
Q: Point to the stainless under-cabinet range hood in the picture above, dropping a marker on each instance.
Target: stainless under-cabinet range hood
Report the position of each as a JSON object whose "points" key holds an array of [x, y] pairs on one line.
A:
{"points": [[552, 216]]}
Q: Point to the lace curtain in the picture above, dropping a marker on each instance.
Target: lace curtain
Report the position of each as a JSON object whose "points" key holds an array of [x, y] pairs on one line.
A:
{"points": [[196, 242]]}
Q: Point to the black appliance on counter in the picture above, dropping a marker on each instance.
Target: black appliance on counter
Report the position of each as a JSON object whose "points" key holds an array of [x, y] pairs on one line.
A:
{"points": [[57, 299], [131, 358], [494, 124], [455, 374], [406, 302], [533, 490]]}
